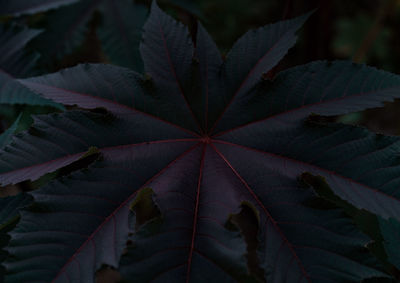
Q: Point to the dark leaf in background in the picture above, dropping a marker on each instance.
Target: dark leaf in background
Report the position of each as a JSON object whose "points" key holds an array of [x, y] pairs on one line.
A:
{"points": [[20, 7], [9, 215], [119, 30], [187, 5], [17, 62], [6, 136], [15, 59], [391, 233]]}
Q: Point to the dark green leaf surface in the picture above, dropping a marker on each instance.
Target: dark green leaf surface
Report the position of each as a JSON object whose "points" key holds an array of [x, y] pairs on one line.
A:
{"points": [[10, 207], [119, 30], [19, 7], [9, 214], [65, 29], [157, 134], [187, 5], [6, 136], [391, 233], [16, 62]]}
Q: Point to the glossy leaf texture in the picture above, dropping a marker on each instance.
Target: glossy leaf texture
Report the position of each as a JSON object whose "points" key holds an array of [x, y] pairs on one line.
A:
{"points": [[20, 7], [207, 137], [119, 30], [16, 61]]}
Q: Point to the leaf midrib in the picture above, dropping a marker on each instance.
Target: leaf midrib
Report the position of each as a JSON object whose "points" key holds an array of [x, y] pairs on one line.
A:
{"points": [[27, 83], [196, 214], [176, 76], [274, 116], [123, 204], [103, 149], [252, 70], [266, 212], [327, 171]]}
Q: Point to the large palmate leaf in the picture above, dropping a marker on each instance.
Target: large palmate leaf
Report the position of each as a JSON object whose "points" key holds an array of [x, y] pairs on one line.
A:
{"points": [[16, 62], [18, 7], [119, 30], [209, 137]]}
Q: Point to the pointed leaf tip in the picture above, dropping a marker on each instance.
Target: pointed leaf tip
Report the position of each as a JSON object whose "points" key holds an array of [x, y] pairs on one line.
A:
{"points": [[255, 53]]}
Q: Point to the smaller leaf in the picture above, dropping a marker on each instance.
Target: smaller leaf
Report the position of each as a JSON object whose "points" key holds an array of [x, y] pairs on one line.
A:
{"points": [[390, 229], [17, 62], [65, 28], [6, 137], [20, 7], [9, 209], [364, 220], [9, 216], [120, 32], [117, 23]]}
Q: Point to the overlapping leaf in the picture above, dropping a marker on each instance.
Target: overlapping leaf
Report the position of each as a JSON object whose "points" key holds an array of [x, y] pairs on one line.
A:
{"points": [[253, 55], [324, 88], [9, 214], [6, 136], [19, 7], [17, 62], [119, 30], [206, 138], [391, 233]]}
